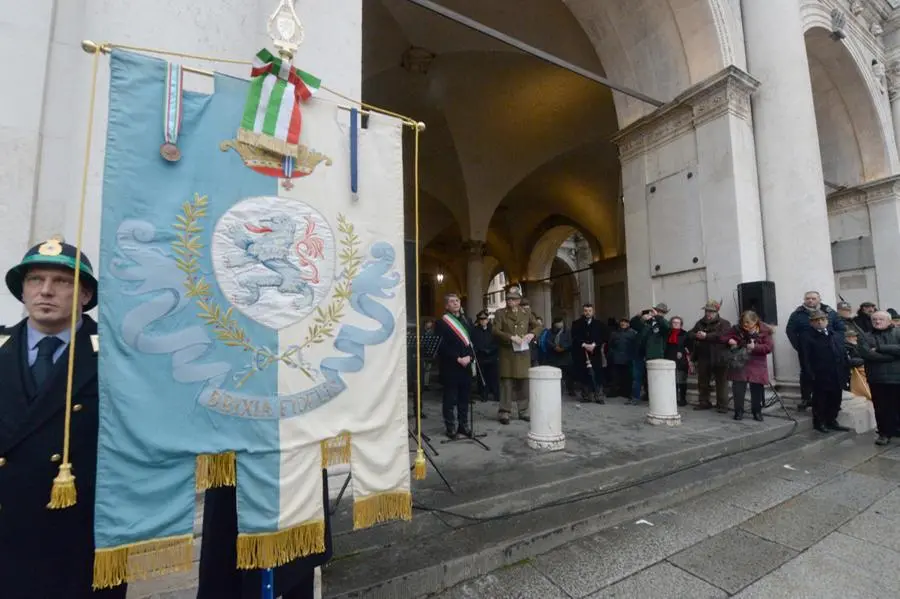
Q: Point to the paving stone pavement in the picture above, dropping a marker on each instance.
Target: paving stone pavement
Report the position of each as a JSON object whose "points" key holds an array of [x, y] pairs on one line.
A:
{"points": [[818, 529]]}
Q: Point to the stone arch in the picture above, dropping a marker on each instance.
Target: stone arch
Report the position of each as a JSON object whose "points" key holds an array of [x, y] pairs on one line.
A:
{"points": [[851, 99], [660, 47], [546, 241]]}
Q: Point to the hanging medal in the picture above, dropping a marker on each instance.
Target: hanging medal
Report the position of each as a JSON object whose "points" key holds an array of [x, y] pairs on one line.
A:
{"points": [[173, 112]]}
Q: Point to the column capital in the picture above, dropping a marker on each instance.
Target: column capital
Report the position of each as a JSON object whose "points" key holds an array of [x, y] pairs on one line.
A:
{"points": [[475, 248], [725, 93]]}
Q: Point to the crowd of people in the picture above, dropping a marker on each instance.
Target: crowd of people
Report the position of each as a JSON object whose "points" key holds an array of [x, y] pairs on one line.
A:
{"points": [[607, 358]]}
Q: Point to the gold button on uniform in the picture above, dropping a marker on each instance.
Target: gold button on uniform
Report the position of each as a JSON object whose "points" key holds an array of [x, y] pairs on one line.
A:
{"points": [[77, 407], [2, 462], [55, 458]]}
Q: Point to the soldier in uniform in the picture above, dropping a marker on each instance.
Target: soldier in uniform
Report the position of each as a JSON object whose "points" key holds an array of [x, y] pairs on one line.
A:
{"points": [[48, 553], [515, 327]]}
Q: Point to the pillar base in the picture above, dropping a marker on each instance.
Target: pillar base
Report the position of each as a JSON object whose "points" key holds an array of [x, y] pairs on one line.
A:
{"points": [[661, 420], [554, 443]]}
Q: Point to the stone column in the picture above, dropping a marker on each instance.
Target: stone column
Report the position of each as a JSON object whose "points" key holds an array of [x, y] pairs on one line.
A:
{"points": [[26, 44], [475, 286], [541, 300], [893, 77], [791, 190], [545, 407], [691, 203], [883, 199]]}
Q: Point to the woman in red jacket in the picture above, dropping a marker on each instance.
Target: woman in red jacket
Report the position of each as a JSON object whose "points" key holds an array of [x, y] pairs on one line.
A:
{"points": [[749, 342]]}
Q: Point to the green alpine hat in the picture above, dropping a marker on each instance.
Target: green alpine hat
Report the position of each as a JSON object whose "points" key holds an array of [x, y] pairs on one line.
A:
{"points": [[53, 252]]}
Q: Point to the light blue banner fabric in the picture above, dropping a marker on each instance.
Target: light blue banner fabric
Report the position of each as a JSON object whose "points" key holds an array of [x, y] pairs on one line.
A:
{"points": [[161, 339]]}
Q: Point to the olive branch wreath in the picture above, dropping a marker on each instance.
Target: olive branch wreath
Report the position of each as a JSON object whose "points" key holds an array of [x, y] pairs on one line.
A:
{"points": [[188, 249]]}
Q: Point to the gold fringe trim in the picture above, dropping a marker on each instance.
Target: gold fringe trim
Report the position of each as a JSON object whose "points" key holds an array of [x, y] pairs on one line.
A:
{"points": [[273, 549], [374, 509], [266, 142], [216, 470], [63, 494], [138, 561], [336, 450], [420, 465]]}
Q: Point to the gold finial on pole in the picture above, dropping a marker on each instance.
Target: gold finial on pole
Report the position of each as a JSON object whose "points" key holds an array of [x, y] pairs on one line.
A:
{"points": [[286, 29]]}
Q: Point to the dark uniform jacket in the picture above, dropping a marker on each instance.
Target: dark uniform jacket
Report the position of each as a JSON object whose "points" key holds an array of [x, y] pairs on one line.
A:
{"points": [[582, 332], [453, 348], [486, 347], [219, 576], [47, 554], [824, 357]]}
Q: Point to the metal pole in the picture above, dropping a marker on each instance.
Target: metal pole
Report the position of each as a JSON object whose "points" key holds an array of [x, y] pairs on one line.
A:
{"points": [[536, 52]]}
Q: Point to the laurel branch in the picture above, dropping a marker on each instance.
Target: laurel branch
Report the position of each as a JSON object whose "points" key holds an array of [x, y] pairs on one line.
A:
{"points": [[188, 248]]}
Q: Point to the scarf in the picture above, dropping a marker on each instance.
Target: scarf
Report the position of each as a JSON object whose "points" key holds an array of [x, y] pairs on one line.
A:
{"points": [[673, 336], [751, 330]]}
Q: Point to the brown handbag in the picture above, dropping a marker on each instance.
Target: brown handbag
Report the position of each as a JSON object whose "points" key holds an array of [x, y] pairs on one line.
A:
{"points": [[859, 385]]}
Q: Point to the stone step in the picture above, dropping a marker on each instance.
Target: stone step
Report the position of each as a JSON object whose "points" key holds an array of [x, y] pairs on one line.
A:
{"points": [[441, 549]]}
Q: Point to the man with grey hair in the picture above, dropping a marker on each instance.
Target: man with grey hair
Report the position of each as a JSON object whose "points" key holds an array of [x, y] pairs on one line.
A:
{"points": [[881, 352], [798, 325]]}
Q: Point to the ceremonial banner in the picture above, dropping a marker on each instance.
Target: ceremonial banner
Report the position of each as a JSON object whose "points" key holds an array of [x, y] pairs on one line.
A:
{"points": [[249, 334]]}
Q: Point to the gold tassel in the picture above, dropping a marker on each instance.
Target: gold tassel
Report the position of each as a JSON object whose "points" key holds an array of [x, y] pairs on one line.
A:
{"points": [[63, 494], [216, 470], [336, 450], [419, 473], [372, 510], [273, 549], [139, 561]]}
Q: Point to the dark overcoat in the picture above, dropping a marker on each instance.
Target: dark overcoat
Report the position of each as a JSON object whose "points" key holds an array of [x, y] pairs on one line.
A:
{"points": [[47, 553], [452, 348], [824, 358], [582, 332], [219, 576]]}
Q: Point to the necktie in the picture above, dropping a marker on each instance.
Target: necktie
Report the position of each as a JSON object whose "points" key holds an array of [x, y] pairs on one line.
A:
{"points": [[43, 365]]}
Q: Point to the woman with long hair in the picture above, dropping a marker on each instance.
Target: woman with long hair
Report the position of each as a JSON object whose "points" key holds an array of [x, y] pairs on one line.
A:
{"points": [[749, 342], [677, 351]]}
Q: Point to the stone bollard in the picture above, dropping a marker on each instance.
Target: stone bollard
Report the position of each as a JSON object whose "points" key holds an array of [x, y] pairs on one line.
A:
{"points": [[545, 399], [663, 397]]}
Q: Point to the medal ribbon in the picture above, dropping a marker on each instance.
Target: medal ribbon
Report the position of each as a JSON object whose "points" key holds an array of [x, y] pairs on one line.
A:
{"points": [[354, 153], [173, 113]]}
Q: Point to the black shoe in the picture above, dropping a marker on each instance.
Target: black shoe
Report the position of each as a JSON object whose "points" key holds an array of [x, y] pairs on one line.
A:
{"points": [[738, 415], [803, 405], [758, 416], [464, 432], [882, 440], [821, 428], [682, 403], [451, 434], [834, 426]]}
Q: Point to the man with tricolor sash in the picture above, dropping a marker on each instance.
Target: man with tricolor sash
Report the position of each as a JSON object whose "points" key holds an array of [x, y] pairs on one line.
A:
{"points": [[456, 357]]}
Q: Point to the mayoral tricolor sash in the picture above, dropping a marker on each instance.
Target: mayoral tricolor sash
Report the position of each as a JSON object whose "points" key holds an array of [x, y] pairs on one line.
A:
{"points": [[249, 334]]}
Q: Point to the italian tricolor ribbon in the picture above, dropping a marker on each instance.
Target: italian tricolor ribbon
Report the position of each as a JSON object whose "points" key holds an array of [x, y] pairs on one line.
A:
{"points": [[458, 328], [272, 113]]}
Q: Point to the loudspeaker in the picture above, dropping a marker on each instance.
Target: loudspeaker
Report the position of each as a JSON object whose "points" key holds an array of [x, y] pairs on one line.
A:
{"points": [[759, 296]]}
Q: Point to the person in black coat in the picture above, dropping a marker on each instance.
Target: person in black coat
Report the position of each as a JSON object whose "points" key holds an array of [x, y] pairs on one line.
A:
{"points": [[48, 553], [588, 337], [219, 577], [825, 360], [488, 354], [456, 357], [798, 324]]}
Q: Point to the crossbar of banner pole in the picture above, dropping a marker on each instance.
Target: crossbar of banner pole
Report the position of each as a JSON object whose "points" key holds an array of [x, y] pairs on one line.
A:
{"points": [[528, 49]]}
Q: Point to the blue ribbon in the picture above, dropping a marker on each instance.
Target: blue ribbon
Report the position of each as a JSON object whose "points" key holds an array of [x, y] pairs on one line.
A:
{"points": [[354, 152]]}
